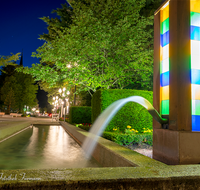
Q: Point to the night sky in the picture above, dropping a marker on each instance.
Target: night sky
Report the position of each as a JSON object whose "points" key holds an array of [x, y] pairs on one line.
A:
{"points": [[20, 26]]}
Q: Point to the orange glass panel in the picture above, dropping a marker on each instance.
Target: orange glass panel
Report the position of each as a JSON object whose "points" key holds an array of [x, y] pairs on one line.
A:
{"points": [[165, 13], [164, 91], [195, 92], [161, 53], [195, 6]]}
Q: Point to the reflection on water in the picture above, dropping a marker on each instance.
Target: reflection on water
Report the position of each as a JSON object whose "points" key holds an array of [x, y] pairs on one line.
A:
{"points": [[42, 147]]}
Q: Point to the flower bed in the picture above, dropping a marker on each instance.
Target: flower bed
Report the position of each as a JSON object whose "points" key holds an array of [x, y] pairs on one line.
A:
{"points": [[129, 136]]}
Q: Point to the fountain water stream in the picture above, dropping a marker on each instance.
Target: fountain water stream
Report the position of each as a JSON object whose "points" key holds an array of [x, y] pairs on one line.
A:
{"points": [[103, 120]]}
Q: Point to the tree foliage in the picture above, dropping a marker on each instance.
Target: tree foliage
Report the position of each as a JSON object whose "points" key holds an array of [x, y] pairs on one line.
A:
{"points": [[55, 25], [9, 60], [9, 100], [18, 90], [103, 43]]}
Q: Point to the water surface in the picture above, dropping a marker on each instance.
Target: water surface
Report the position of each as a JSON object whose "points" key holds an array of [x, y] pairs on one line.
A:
{"points": [[43, 147]]}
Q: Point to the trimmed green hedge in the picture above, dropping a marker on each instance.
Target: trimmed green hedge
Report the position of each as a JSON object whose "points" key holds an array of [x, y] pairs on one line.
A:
{"points": [[131, 114], [80, 114]]}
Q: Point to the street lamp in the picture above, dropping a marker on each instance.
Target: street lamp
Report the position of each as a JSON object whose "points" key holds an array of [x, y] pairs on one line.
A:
{"points": [[61, 101]]}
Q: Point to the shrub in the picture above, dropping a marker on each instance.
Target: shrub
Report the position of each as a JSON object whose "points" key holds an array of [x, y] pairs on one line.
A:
{"points": [[80, 114], [127, 138], [110, 136], [148, 138], [84, 126], [67, 120], [123, 138], [130, 114]]}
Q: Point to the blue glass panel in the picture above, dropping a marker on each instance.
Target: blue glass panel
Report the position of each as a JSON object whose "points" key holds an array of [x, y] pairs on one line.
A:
{"points": [[195, 122], [195, 33], [164, 39], [195, 76], [164, 79]]}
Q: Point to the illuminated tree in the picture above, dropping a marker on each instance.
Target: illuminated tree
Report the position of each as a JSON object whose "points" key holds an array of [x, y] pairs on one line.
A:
{"points": [[18, 90], [107, 44], [9, 100], [8, 60]]}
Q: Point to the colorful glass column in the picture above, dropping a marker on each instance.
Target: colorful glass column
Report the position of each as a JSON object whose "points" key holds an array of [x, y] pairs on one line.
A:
{"points": [[164, 59], [176, 143], [195, 62]]}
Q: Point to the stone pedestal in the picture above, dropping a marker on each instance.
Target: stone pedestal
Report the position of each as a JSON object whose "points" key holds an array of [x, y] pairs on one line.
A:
{"points": [[176, 147]]}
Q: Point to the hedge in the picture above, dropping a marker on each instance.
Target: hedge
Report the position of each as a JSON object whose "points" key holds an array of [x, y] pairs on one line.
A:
{"points": [[80, 114], [131, 113]]}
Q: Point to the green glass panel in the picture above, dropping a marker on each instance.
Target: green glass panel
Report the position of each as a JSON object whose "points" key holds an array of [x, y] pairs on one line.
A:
{"points": [[195, 107], [194, 19], [164, 26], [161, 66], [165, 107]]}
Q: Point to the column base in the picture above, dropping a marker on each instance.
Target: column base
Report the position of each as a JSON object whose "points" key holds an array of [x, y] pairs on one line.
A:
{"points": [[176, 147]]}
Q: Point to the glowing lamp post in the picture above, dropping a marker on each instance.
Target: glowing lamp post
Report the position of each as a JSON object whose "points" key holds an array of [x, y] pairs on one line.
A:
{"points": [[177, 81], [63, 95]]}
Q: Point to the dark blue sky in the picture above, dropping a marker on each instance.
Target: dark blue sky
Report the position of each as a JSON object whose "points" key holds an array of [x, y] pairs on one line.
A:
{"points": [[20, 26]]}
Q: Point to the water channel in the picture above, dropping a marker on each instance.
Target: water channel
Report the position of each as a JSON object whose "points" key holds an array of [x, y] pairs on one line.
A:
{"points": [[43, 147]]}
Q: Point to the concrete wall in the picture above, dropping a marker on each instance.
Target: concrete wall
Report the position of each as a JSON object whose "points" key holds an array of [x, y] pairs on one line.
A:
{"points": [[102, 153]]}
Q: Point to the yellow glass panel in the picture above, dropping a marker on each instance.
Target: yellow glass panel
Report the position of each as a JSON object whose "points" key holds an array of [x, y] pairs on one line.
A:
{"points": [[195, 92], [165, 13], [161, 53], [195, 6], [164, 91]]}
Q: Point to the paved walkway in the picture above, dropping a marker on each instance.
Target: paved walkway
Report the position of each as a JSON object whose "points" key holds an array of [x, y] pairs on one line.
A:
{"points": [[13, 125], [32, 120]]}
